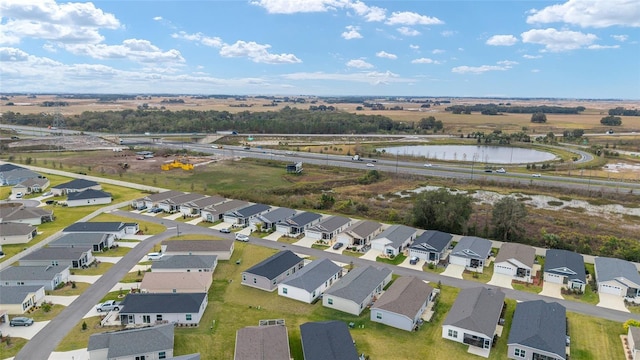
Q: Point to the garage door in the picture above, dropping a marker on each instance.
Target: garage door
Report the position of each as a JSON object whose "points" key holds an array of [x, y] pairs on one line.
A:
{"points": [[420, 254], [458, 260], [610, 289], [504, 269], [557, 279]]}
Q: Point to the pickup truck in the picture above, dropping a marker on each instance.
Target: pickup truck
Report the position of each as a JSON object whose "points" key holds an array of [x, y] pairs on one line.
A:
{"points": [[108, 306]]}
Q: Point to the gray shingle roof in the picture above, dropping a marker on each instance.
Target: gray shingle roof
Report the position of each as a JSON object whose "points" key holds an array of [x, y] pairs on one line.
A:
{"points": [[250, 210], [359, 283], [397, 234], [204, 202], [197, 245], [226, 206], [133, 341], [405, 296], [95, 227], [182, 199], [81, 239], [262, 342], [10, 167], [88, 194], [17, 213], [76, 184], [57, 253], [303, 219], [327, 340], [477, 309], [539, 325], [363, 229], [34, 181], [184, 262], [566, 263], [524, 253], [12, 229], [278, 215], [24, 273], [18, 174], [313, 275], [432, 240], [472, 247], [162, 303], [330, 224], [16, 294], [275, 265], [162, 196], [613, 269]]}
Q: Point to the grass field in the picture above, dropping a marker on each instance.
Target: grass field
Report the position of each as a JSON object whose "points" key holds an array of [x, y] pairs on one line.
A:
{"points": [[484, 277], [78, 338], [148, 228], [68, 289]]}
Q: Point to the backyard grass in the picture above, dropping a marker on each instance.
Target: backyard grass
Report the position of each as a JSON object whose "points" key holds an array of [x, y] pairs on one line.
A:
{"points": [[397, 260], [594, 338], [68, 289], [100, 269], [484, 277], [148, 228], [78, 338]]}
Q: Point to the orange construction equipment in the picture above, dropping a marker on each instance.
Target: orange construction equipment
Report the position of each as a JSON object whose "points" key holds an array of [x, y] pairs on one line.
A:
{"points": [[176, 164]]}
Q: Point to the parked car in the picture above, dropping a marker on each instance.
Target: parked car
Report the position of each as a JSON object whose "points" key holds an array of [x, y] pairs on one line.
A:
{"points": [[370, 165], [414, 260], [48, 193], [501, 171], [18, 195], [108, 306], [242, 237], [428, 165], [49, 202], [536, 175], [225, 230], [214, 146], [337, 246], [154, 256], [21, 321], [488, 170]]}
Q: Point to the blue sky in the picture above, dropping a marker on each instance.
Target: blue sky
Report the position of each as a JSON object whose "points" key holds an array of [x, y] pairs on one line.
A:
{"points": [[568, 49]]}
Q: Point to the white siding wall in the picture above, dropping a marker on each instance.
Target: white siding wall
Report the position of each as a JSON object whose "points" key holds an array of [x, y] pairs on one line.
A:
{"points": [[89, 202], [296, 293], [391, 319], [341, 304], [457, 260], [16, 239], [504, 268]]}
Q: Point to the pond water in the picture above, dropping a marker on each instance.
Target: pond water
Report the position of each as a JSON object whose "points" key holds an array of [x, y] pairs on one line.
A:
{"points": [[477, 153]]}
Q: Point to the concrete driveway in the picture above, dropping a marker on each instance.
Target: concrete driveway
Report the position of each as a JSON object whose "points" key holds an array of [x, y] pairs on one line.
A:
{"points": [[501, 280], [417, 266], [60, 300], [305, 241], [339, 251], [245, 231], [25, 332], [614, 302], [222, 225], [551, 290], [371, 255], [173, 216], [85, 278], [195, 221], [454, 271], [129, 244], [136, 237], [274, 236], [80, 354]]}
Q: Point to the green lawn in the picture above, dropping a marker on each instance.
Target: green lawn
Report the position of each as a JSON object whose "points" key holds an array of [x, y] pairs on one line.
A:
{"points": [[355, 254], [149, 228], [41, 315], [589, 296], [118, 251], [319, 246], [7, 351], [68, 289], [133, 277], [594, 338], [398, 259], [484, 277], [78, 338], [287, 239], [520, 286], [102, 268], [433, 268]]}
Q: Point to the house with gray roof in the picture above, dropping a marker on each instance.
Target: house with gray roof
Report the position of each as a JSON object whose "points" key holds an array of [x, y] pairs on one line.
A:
{"points": [[88, 197], [241, 217], [76, 258], [538, 331], [633, 340], [152, 200], [96, 241], [327, 229], [18, 213], [327, 340], [617, 277], [474, 317], [431, 246], [357, 289], [267, 274], [11, 174], [185, 263], [403, 303], [472, 253], [223, 249], [360, 234], [173, 204], [117, 229], [566, 268], [16, 233], [30, 186], [195, 207], [162, 308], [298, 224], [311, 282], [516, 260], [216, 212], [49, 276], [75, 185], [268, 221], [266, 342], [17, 300], [394, 240]]}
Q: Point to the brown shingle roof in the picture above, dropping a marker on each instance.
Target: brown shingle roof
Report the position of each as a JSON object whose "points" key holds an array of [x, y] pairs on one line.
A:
{"points": [[524, 253], [405, 296]]}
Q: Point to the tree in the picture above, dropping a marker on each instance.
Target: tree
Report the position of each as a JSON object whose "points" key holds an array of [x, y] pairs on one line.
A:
{"points": [[441, 210], [539, 117], [507, 217], [611, 120]]}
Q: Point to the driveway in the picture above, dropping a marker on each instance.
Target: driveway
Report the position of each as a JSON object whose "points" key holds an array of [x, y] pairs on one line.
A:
{"points": [[501, 280], [418, 266], [371, 255], [339, 251], [129, 244], [222, 225], [80, 354], [274, 236], [173, 216], [611, 301], [454, 271], [245, 231], [136, 237], [109, 259], [25, 332], [85, 278], [125, 287], [60, 300], [305, 242], [195, 221], [551, 290]]}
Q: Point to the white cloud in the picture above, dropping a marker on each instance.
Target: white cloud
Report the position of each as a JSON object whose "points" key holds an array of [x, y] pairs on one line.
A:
{"points": [[602, 47], [527, 56], [448, 33], [372, 77], [424, 61], [411, 18], [199, 37], [502, 40], [359, 64], [138, 50], [386, 55], [507, 63], [257, 53], [593, 13], [502, 66], [535, 70], [370, 13], [437, 51], [50, 48], [296, 6], [408, 31], [414, 47], [557, 41], [351, 33], [621, 38], [157, 18]]}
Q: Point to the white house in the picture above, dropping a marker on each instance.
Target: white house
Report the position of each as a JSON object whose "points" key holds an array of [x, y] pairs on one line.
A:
{"points": [[515, 260], [360, 234], [357, 289], [566, 268], [633, 338], [402, 304], [394, 240], [471, 252], [161, 308], [618, 277], [19, 299], [311, 281], [49, 276], [88, 197], [16, 233], [146, 343], [75, 185], [327, 229]]}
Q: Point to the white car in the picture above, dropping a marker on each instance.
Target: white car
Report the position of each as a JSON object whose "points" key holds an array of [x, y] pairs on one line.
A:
{"points": [[214, 146], [154, 256], [242, 237], [536, 175], [19, 195], [501, 171], [427, 165], [370, 165]]}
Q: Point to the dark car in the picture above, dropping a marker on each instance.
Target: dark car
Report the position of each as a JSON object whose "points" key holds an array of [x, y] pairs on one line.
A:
{"points": [[337, 246], [488, 170], [21, 321], [414, 260]]}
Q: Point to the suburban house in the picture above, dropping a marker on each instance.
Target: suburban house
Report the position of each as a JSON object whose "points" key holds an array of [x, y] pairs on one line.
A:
{"points": [[75, 185], [16, 233], [152, 200], [566, 268], [538, 331], [18, 213], [147, 309], [516, 260], [298, 224], [96, 241], [223, 249], [618, 277], [117, 229], [216, 212], [48, 276], [176, 282], [262, 342], [474, 317], [88, 197], [267, 274], [394, 240], [13, 174], [328, 229], [471, 252], [76, 258], [431, 246], [633, 341], [194, 208], [310, 282], [19, 299], [269, 220], [357, 289], [327, 340], [241, 217], [360, 233], [30, 186], [173, 204], [403, 303], [185, 263]]}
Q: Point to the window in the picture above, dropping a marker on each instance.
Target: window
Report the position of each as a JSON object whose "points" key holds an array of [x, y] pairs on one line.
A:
{"points": [[141, 357], [284, 290], [274, 281], [314, 293], [159, 317], [520, 353], [255, 281], [379, 315], [244, 277], [452, 333], [330, 301], [162, 355], [146, 319], [188, 317]]}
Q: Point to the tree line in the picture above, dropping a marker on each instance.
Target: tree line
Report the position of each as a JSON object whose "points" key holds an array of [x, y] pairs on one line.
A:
{"points": [[624, 112], [495, 109]]}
